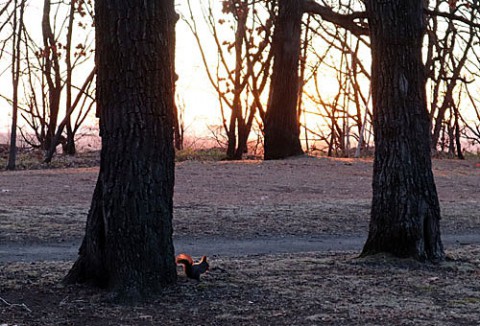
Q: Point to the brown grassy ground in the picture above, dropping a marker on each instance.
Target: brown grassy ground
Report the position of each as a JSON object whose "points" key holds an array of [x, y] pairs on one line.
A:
{"points": [[303, 196], [302, 289]]}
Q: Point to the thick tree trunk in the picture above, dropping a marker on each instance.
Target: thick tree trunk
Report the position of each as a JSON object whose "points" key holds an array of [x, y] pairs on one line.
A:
{"points": [[405, 209], [128, 244], [282, 129]]}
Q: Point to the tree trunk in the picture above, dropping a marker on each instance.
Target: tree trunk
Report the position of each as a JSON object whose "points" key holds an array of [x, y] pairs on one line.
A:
{"points": [[16, 53], [244, 129], [282, 129], [51, 71], [128, 245], [69, 147], [177, 130], [68, 114], [236, 119], [405, 212], [460, 155]]}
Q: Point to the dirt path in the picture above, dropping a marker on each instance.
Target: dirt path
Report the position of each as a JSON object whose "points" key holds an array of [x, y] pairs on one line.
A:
{"points": [[231, 208], [222, 247]]}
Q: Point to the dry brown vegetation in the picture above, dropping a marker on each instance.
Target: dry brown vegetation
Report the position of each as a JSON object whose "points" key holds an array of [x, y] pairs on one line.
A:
{"points": [[246, 200]]}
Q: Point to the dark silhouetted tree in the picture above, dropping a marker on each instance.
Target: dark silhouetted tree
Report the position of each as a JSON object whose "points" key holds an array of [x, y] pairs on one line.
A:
{"points": [[18, 29], [282, 129], [405, 216], [128, 245], [242, 36]]}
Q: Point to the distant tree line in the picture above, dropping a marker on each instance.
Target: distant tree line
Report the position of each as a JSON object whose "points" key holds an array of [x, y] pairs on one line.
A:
{"points": [[334, 42], [52, 74]]}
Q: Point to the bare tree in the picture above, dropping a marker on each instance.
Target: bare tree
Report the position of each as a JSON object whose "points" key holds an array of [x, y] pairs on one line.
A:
{"points": [[67, 119], [346, 112], [337, 51], [16, 53], [472, 132], [450, 47], [6, 19], [282, 129], [51, 72], [405, 210], [48, 79], [179, 122], [70, 141], [451, 63], [240, 82]]}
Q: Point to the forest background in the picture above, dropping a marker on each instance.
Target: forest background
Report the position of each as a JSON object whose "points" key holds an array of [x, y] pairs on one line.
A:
{"points": [[223, 65]]}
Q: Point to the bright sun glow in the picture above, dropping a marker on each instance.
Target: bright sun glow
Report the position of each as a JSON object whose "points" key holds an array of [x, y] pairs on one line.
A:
{"points": [[195, 93]]}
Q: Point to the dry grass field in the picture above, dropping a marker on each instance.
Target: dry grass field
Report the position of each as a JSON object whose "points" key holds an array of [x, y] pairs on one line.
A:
{"points": [[296, 198]]}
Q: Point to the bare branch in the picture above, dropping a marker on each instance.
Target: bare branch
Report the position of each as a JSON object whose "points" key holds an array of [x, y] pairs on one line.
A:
{"points": [[345, 21], [21, 305], [452, 17]]}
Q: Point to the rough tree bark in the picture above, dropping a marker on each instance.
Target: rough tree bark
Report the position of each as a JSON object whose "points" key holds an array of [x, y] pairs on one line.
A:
{"points": [[282, 129], [128, 245], [405, 212]]}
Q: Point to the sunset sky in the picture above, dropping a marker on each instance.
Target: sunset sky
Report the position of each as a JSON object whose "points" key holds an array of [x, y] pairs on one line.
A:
{"points": [[193, 87], [200, 100]]}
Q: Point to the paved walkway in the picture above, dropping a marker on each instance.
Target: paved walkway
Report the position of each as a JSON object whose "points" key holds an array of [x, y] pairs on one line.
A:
{"points": [[217, 246]]}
